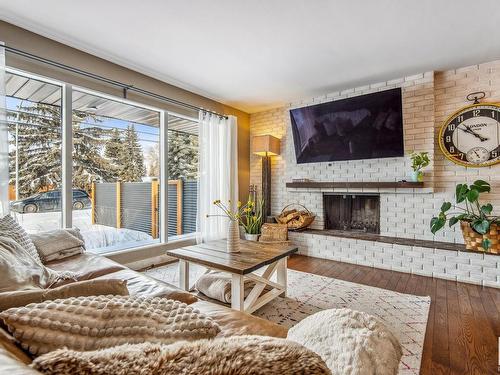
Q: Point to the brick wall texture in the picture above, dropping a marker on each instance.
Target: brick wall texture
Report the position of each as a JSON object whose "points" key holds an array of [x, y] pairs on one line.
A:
{"points": [[428, 99]]}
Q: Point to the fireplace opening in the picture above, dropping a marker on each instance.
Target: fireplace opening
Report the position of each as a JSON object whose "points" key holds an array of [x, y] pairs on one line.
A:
{"points": [[352, 212]]}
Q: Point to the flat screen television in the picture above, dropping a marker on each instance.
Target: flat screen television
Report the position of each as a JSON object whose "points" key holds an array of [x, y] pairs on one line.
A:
{"points": [[362, 127]]}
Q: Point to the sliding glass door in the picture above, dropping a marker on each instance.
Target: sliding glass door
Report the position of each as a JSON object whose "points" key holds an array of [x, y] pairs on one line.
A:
{"points": [[115, 172], [35, 139], [84, 159]]}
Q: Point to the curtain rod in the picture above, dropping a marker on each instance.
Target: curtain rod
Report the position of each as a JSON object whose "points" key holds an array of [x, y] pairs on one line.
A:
{"points": [[125, 87]]}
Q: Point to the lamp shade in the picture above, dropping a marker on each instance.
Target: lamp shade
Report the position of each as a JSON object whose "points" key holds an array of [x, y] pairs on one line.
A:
{"points": [[265, 145]]}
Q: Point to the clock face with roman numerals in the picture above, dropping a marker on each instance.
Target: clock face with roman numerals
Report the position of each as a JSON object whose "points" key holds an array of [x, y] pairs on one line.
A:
{"points": [[471, 136]]}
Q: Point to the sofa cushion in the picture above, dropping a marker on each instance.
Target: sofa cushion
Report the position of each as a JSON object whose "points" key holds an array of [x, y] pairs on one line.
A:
{"points": [[141, 285], [89, 323], [245, 355], [87, 266], [236, 323], [350, 342], [80, 288], [10, 228]]}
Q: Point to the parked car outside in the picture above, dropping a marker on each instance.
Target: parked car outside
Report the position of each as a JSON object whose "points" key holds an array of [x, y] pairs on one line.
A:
{"points": [[50, 201]]}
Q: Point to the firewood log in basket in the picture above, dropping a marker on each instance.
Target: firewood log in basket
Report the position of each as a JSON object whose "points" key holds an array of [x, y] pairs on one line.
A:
{"points": [[295, 219]]}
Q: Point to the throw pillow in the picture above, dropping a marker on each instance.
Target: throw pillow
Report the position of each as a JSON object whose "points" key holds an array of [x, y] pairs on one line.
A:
{"points": [[10, 228], [89, 323], [58, 244], [217, 285], [350, 342], [99, 287], [242, 355]]}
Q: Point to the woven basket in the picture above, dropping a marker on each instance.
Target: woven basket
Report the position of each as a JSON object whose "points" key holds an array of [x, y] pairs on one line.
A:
{"points": [[473, 240], [294, 219], [273, 233]]}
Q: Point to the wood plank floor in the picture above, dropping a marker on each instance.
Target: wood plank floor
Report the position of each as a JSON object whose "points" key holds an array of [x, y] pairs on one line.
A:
{"points": [[464, 319]]}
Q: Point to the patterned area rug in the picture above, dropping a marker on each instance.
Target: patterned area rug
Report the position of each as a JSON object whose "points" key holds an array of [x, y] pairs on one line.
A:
{"points": [[404, 314]]}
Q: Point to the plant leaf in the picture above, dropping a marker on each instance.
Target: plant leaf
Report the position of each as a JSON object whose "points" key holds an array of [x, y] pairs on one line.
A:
{"points": [[481, 186], [472, 195], [486, 209], [445, 206], [481, 226], [436, 224], [453, 221], [461, 192], [486, 244]]}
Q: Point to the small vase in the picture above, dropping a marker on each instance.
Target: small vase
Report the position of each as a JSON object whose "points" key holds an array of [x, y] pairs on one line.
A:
{"points": [[417, 176], [233, 237], [252, 237]]}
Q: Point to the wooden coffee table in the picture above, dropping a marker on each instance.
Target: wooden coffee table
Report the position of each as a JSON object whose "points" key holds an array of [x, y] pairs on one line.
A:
{"points": [[252, 256]]}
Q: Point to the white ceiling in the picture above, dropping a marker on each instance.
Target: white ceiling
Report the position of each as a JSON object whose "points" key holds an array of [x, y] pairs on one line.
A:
{"points": [[259, 54]]}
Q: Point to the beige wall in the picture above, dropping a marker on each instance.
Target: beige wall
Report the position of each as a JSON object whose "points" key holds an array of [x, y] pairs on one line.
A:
{"points": [[25, 40]]}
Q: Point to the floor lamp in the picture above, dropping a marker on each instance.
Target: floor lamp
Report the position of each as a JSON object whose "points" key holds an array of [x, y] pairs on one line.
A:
{"points": [[266, 146]]}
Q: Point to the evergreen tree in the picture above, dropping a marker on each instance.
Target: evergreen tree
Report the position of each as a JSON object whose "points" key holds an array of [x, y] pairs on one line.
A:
{"points": [[113, 151], [114, 146], [88, 162], [131, 157], [38, 129], [182, 155]]}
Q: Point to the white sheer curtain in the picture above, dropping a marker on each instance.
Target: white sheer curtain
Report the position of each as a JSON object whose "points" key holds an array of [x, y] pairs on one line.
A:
{"points": [[4, 140], [218, 173]]}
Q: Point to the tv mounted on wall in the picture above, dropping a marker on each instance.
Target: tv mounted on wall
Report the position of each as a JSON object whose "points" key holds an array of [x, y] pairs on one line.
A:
{"points": [[362, 127]]}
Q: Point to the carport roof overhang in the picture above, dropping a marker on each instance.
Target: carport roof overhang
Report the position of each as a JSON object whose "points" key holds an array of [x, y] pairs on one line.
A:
{"points": [[38, 91]]}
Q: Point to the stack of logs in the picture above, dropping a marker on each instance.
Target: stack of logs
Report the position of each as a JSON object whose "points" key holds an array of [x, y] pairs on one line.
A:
{"points": [[295, 219]]}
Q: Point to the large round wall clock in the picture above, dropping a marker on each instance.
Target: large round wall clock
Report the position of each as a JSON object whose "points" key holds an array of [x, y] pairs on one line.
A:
{"points": [[471, 136]]}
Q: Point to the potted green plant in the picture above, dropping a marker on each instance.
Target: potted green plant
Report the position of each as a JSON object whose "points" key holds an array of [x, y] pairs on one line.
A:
{"points": [[252, 218], [479, 228], [419, 160]]}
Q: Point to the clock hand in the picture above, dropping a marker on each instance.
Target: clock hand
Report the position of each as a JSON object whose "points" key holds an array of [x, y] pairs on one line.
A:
{"points": [[476, 153], [475, 134], [470, 131], [466, 130]]}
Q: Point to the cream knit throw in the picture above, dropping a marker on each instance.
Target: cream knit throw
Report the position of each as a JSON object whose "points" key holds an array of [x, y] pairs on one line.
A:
{"points": [[89, 323], [20, 271], [242, 355]]}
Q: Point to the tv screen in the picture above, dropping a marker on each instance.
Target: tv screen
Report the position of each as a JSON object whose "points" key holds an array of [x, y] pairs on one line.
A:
{"points": [[363, 127]]}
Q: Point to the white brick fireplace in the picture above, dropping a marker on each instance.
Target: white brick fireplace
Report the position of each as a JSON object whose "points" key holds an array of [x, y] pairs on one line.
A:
{"points": [[428, 99]]}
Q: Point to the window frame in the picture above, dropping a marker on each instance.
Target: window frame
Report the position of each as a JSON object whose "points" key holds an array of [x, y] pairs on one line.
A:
{"points": [[66, 219]]}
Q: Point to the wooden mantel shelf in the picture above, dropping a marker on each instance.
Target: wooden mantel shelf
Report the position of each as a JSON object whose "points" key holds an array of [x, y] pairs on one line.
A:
{"points": [[355, 185]]}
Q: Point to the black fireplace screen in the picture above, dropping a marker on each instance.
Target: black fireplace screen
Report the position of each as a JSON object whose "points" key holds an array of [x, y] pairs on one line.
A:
{"points": [[352, 212]]}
